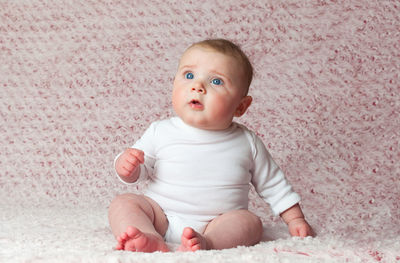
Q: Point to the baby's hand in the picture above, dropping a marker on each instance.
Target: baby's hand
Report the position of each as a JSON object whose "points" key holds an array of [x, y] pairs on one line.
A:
{"points": [[128, 161], [300, 228]]}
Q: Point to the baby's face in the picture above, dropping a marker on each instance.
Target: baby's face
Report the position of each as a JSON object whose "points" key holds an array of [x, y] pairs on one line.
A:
{"points": [[208, 89]]}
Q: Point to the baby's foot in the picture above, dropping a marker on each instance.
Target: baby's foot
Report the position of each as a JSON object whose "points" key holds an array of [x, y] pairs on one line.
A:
{"points": [[135, 240], [192, 241]]}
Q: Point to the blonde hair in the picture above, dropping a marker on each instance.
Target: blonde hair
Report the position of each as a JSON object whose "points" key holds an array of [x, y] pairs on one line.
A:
{"points": [[228, 48]]}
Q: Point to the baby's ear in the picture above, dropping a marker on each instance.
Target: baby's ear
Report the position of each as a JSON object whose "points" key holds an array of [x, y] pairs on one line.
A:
{"points": [[244, 104]]}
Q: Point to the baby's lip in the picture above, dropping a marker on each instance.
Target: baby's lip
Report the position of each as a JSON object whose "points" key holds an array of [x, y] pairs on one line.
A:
{"points": [[194, 101], [196, 104]]}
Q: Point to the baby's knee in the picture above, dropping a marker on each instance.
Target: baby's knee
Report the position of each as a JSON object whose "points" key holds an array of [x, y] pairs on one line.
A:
{"points": [[257, 221], [251, 223], [252, 219], [123, 199]]}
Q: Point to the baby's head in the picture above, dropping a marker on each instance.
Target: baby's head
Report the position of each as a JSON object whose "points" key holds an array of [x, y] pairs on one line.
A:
{"points": [[211, 84], [230, 49]]}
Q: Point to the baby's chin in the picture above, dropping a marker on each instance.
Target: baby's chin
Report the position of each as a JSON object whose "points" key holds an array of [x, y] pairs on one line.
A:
{"points": [[206, 125]]}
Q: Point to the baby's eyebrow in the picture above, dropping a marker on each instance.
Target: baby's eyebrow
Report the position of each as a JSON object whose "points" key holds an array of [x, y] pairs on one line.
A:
{"points": [[219, 73], [187, 67]]}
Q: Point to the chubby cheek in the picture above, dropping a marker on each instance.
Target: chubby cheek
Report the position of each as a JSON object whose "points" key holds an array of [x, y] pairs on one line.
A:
{"points": [[177, 98], [221, 109]]}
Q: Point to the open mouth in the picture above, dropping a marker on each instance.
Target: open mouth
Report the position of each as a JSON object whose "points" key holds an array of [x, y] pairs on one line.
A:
{"points": [[196, 104]]}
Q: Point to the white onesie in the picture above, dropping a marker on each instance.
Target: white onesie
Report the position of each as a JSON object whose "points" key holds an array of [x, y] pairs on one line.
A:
{"points": [[196, 175]]}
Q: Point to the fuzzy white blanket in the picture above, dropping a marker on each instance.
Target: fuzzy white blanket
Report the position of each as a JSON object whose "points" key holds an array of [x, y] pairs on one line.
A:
{"points": [[82, 80]]}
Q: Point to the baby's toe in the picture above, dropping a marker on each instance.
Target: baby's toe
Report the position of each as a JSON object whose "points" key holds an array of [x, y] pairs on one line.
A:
{"points": [[119, 247], [196, 247]]}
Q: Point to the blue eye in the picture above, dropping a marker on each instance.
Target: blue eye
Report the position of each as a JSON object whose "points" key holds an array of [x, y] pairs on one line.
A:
{"points": [[217, 82], [189, 75]]}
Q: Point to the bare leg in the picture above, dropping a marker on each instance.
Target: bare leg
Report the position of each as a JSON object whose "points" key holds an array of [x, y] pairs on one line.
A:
{"points": [[232, 229], [138, 223]]}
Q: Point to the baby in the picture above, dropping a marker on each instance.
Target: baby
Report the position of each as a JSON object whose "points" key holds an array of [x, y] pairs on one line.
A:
{"points": [[200, 164]]}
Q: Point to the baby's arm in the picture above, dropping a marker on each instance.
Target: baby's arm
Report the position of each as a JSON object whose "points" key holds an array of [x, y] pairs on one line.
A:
{"points": [[296, 222], [128, 163]]}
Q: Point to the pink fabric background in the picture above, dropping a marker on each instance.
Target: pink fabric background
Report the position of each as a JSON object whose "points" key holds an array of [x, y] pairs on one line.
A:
{"points": [[82, 80]]}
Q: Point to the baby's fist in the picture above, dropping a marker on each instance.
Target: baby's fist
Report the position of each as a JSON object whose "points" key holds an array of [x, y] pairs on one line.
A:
{"points": [[128, 161], [300, 228]]}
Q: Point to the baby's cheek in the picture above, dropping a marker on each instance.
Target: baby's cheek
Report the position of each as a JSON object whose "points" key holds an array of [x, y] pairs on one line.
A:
{"points": [[222, 107]]}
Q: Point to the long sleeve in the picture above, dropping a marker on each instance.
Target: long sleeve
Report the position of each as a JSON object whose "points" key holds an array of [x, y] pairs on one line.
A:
{"points": [[269, 180]]}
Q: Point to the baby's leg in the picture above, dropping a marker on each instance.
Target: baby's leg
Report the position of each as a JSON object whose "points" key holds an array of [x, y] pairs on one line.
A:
{"points": [[138, 223], [232, 229]]}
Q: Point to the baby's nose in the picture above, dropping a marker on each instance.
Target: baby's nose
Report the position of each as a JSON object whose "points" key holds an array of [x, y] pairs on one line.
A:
{"points": [[199, 87]]}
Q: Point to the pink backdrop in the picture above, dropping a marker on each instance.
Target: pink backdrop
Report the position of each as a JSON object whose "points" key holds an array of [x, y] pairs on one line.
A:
{"points": [[81, 80]]}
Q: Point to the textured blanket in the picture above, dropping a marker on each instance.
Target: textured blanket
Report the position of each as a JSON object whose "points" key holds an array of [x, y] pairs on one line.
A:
{"points": [[81, 80]]}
